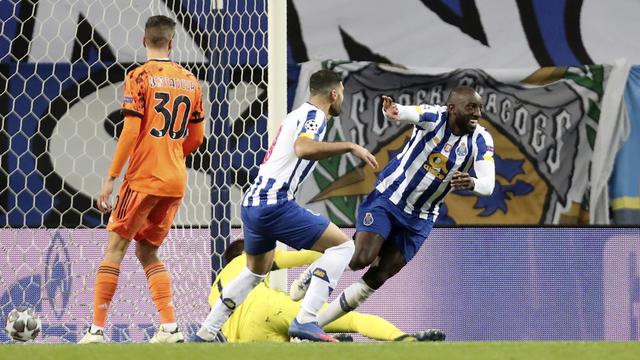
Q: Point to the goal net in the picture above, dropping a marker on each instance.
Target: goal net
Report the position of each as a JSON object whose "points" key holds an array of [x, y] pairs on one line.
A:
{"points": [[62, 68]]}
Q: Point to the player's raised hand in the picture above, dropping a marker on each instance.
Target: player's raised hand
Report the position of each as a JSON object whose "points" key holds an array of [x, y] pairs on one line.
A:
{"points": [[462, 181], [390, 108], [365, 155], [104, 205]]}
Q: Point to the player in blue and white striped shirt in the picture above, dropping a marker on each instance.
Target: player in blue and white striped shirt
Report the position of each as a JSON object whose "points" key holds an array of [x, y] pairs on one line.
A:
{"points": [[396, 218], [282, 171], [269, 212]]}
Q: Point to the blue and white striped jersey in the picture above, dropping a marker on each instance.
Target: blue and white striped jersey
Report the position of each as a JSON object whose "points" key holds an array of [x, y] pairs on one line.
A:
{"points": [[282, 172], [418, 178]]}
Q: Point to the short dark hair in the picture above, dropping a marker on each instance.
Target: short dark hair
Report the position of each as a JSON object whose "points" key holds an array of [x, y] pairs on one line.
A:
{"points": [[234, 250], [159, 30], [460, 92], [323, 81]]}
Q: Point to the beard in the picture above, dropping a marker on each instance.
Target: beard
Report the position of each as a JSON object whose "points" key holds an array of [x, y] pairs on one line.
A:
{"points": [[465, 122], [334, 109]]}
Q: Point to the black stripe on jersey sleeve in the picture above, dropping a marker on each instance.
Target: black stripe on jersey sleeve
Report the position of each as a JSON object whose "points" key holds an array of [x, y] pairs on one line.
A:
{"points": [[195, 121], [128, 112]]}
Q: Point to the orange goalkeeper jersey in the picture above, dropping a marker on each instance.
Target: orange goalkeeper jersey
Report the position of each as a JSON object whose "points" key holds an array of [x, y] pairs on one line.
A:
{"points": [[166, 97]]}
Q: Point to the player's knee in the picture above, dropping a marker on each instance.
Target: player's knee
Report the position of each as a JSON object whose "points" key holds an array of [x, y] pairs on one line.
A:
{"points": [[146, 256], [114, 254], [361, 260], [116, 248]]}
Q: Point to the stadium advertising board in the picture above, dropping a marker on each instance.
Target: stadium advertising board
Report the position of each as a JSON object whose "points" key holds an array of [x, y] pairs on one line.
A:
{"points": [[474, 283]]}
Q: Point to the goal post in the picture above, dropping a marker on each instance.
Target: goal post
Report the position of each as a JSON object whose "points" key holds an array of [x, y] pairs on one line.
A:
{"points": [[277, 92]]}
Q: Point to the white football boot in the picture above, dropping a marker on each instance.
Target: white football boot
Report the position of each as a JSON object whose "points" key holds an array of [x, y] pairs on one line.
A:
{"points": [[96, 337], [166, 337]]}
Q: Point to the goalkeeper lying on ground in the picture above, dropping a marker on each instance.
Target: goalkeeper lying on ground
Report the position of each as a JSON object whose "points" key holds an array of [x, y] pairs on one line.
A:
{"points": [[266, 313]]}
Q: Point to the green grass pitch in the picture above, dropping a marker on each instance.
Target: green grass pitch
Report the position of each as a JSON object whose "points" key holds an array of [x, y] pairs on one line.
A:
{"points": [[307, 351]]}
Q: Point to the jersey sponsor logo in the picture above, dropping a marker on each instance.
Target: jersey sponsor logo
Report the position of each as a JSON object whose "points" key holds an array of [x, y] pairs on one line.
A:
{"points": [[128, 99], [437, 165]]}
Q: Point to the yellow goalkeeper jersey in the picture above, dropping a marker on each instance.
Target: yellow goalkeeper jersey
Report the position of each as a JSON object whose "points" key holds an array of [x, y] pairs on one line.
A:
{"points": [[265, 314]]}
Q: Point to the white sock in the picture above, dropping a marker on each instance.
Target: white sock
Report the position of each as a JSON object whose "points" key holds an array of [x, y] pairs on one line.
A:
{"points": [[231, 297], [169, 327], [349, 300], [326, 275], [95, 328]]}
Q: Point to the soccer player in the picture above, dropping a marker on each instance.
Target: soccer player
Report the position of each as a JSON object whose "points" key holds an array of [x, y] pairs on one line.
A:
{"points": [[396, 218], [266, 313], [269, 212], [163, 123]]}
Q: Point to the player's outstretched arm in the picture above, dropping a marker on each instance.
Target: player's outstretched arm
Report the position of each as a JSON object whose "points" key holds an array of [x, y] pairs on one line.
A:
{"points": [[127, 140], [308, 149], [393, 111]]}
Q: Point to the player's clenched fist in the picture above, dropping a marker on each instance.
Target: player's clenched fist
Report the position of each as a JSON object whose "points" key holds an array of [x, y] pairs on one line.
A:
{"points": [[462, 181]]}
